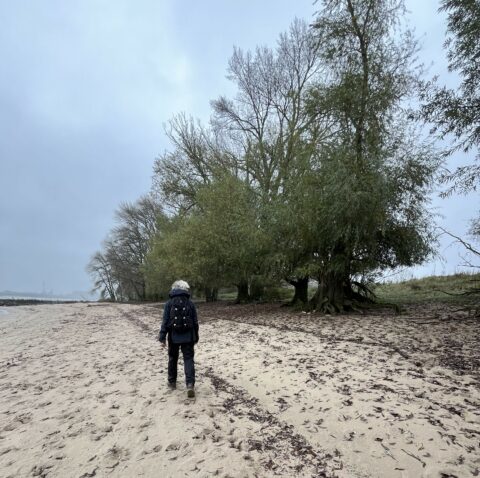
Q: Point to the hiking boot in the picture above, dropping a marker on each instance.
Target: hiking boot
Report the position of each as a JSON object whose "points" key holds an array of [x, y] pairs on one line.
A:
{"points": [[190, 390], [172, 385]]}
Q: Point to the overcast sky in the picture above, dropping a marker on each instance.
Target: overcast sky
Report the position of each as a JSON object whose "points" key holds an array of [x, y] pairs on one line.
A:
{"points": [[85, 89]]}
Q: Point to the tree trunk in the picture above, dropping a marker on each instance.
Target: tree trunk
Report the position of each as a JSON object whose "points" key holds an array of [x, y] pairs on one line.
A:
{"points": [[301, 291], [211, 294], [330, 295], [143, 291], [242, 292], [257, 289]]}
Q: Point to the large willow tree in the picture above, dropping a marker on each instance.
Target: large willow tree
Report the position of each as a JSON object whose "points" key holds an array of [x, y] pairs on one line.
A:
{"points": [[370, 183]]}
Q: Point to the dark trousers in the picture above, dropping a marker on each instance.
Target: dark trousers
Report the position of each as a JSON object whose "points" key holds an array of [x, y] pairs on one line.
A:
{"points": [[189, 364]]}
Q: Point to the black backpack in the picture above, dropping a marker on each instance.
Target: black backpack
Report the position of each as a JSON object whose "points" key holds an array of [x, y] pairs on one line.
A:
{"points": [[181, 315]]}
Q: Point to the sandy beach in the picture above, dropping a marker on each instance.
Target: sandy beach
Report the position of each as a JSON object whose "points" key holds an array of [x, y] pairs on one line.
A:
{"points": [[279, 393]]}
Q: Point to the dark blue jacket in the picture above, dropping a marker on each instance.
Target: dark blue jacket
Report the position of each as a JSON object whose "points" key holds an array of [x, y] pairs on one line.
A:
{"points": [[190, 336]]}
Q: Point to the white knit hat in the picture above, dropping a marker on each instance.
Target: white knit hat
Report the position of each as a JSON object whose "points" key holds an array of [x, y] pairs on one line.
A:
{"points": [[181, 284]]}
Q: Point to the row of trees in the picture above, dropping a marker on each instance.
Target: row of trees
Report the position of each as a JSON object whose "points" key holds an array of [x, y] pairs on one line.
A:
{"points": [[315, 169], [118, 269]]}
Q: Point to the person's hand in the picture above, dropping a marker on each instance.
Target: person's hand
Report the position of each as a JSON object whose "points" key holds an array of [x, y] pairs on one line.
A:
{"points": [[163, 343]]}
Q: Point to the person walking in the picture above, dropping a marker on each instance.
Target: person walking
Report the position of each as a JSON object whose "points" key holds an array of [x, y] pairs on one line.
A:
{"points": [[180, 327]]}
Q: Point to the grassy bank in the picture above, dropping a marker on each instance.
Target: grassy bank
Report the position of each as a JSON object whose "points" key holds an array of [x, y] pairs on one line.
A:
{"points": [[452, 288]]}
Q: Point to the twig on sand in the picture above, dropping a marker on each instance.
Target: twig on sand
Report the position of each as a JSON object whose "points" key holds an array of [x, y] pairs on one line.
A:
{"points": [[387, 451], [416, 457]]}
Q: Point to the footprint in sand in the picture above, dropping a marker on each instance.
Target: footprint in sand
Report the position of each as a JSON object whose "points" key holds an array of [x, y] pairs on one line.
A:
{"points": [[114, 420], [115, 455], [98, 434], [44, 404], [8, 450], [89, 474], [174, 446], [41, 470], [9, 427], [143, 426]]}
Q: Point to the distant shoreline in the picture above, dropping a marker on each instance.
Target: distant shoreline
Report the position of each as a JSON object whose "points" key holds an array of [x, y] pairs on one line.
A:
{"points": [[16, 302]]}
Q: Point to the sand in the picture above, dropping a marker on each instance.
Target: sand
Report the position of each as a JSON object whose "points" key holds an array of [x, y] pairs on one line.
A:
{"points": [[83, 393]]}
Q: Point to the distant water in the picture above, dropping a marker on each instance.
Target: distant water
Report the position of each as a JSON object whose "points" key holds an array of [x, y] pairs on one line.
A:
{"points": [[47, 299]]}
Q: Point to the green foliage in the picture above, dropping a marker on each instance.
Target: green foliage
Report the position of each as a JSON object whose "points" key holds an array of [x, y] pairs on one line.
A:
{"points": [[160, 266], [217, 244], [371, 181], [457, 112]]}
